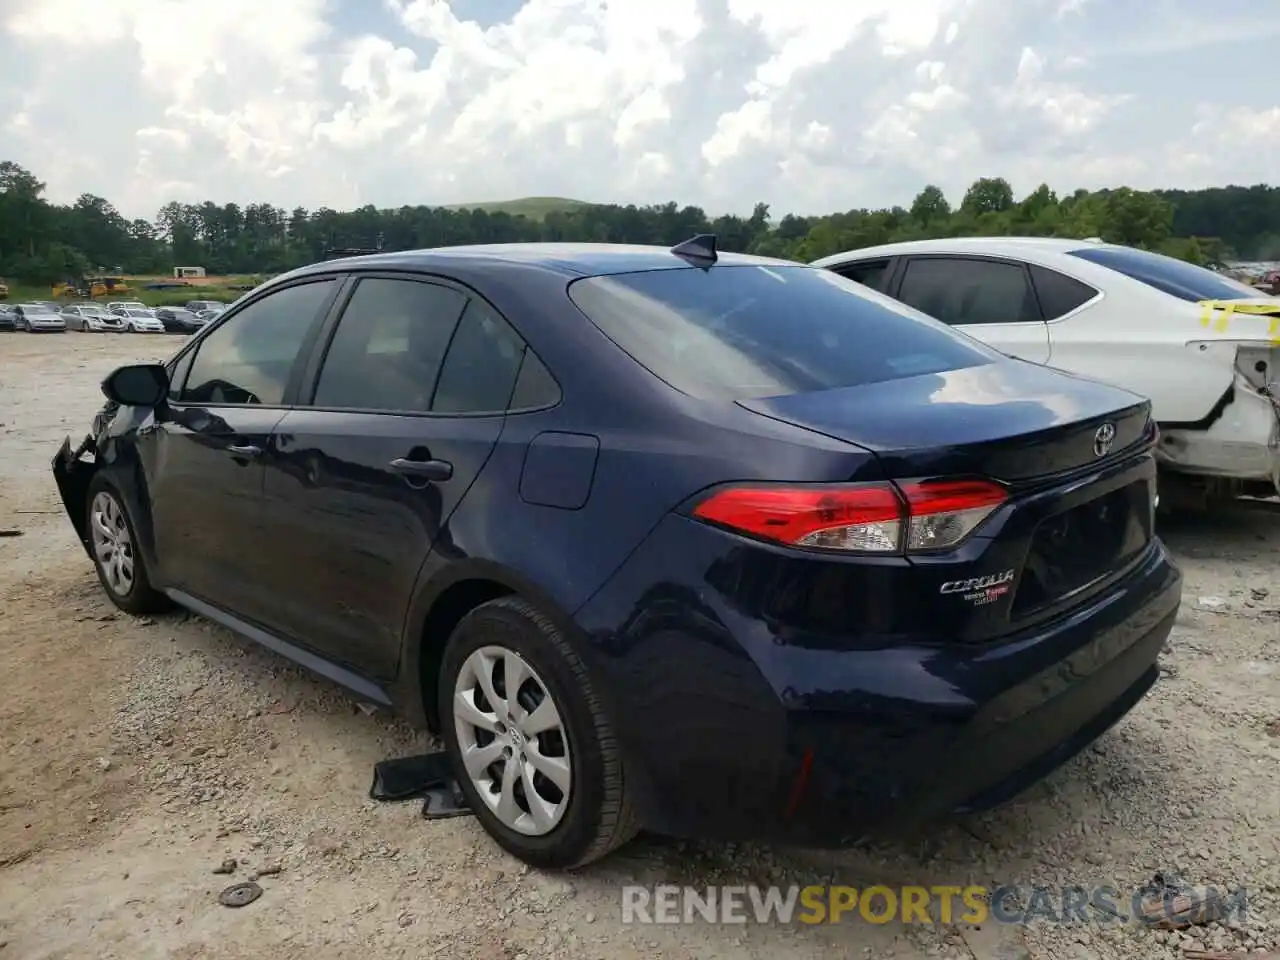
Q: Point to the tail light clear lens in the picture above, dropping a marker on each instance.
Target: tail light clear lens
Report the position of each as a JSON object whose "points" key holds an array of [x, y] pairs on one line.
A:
{"points": [[876, 518]]}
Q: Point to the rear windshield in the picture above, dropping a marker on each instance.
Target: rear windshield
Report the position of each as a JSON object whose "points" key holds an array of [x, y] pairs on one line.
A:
{"points": [[1177, 278], [737, 332]]}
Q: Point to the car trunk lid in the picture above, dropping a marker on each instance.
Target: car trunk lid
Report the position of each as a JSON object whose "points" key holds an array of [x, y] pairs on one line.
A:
{"points": [[1011, 421]]}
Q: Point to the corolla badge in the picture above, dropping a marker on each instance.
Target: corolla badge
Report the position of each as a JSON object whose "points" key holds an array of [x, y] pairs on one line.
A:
{"points": [[1103, 438], [981, 590]]}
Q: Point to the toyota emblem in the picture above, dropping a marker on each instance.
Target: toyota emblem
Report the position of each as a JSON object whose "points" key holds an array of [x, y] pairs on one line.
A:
{"points": [[1103, 439]]}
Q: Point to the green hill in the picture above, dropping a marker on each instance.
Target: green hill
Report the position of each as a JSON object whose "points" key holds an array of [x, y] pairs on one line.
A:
{"points": [[535, 208]]}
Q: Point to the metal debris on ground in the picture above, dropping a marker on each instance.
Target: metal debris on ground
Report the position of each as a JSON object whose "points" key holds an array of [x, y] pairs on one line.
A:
{"points": [[10, 533], [1172, 904], [240, 894]]}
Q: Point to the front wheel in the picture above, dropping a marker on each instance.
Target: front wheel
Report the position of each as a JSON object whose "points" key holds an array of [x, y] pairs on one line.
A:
{"points": [[121, 567], [529, 741]]}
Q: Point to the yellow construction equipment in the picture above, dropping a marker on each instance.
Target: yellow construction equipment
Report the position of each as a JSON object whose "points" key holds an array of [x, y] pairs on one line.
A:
{"points": [[92, 287]]}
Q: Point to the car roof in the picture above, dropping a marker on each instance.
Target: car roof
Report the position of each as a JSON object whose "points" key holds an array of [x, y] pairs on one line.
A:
{"points": [[991, 246], [565, 259]]}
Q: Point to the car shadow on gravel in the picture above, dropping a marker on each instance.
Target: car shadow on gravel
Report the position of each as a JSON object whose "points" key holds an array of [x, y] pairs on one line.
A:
{"points": [[1242, 530]]}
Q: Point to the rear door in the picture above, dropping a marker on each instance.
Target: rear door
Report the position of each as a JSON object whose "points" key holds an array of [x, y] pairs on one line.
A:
{"points": [[990, 299], [407, 405], [204, 456]]}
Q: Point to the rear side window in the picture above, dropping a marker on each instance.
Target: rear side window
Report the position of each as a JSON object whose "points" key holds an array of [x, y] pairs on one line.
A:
{"points": [[871, 274], [1177, 278], [960, 291], [1058, 293], [736, 332], [479, 373], [390, 342], [535, 386]]}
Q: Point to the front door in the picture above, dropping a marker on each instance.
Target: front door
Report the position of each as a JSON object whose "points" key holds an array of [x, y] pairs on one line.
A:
{"points": [[361, 484], [990, 300], [206, 449]]}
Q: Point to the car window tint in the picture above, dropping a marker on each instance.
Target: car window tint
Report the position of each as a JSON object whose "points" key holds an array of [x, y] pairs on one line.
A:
{"points": [[1177, 278], [736, 332], [386, 352], [873, 274], [1058, 293], [248, 358], [178, 375], [480, 371], [960, 291], [535, 386]]}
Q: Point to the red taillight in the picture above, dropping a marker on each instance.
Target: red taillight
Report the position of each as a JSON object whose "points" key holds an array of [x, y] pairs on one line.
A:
{"points": [[858, 518]]}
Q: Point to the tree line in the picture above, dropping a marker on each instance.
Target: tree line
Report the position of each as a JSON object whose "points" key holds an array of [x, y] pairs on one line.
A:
{"points": [[43, 242]]}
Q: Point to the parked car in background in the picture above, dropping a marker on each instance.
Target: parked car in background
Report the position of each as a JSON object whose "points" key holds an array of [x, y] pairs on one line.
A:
{"points": [[716, 545], [1200, 345], [6, 317], [121, 306], [91, 318], [37, 317], [140, 321], [208, 316], [200, 306], [177, 320]]}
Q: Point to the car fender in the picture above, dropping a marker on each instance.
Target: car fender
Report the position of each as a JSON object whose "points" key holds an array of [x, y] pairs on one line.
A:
{"points": [[412, 692]]}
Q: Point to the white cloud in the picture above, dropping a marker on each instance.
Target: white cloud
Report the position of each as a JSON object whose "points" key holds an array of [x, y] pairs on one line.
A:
{"points": [[807, 104]]}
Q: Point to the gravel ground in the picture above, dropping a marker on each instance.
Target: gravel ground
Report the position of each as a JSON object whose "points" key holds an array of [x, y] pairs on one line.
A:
{"points": [[138, 755]]}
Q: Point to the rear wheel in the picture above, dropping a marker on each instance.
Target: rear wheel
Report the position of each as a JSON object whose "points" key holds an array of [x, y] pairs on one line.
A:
{"points": [[121, 567], [529, 741]]}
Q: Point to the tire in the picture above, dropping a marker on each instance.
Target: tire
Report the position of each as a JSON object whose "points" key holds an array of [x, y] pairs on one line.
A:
{"points": [[112, 533], [595, 815]]}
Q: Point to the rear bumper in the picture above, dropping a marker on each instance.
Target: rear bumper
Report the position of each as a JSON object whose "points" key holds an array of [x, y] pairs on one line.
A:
{"points": [[736, 728], [1242, 444]]}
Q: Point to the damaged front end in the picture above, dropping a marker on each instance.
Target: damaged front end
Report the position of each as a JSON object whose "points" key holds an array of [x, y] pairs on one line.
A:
{"points": [[1235, 450], [74, 469]]}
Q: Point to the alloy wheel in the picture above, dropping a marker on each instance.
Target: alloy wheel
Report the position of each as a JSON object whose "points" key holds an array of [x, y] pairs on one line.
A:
{"points": [[112, 544], [512, 740]]}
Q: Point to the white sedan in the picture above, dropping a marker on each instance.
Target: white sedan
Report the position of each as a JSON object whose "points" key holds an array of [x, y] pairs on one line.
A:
{"points": [[1205, 349], [140, 321]]}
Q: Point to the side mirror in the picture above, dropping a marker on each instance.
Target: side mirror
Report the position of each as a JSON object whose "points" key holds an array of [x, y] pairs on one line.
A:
{"points": [[137, 385]]}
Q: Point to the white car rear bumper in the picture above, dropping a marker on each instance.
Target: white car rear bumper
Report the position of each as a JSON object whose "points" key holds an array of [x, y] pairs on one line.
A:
{"points": [[1242, 444]]}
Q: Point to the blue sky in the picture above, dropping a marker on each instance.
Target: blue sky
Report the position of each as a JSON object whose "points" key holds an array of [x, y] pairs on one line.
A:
{"points": [[808, 105]]}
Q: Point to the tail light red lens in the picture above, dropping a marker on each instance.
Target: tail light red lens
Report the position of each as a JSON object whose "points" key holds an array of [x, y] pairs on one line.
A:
{"points": [[876, 518]]}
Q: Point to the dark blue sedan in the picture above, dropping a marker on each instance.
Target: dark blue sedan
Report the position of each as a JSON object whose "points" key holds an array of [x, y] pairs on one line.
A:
{"points": [[714, 545]]}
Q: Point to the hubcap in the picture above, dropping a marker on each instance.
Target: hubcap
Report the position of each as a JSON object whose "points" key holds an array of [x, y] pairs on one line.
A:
{"points": [[112, 545], [513, 742]]}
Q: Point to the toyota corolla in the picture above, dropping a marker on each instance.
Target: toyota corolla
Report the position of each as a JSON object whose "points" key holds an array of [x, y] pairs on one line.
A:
{"points": [[711, 544]]}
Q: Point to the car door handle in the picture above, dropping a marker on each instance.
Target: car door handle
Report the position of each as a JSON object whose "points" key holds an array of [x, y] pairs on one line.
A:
{"points": [[244, 450], [438, 470]]}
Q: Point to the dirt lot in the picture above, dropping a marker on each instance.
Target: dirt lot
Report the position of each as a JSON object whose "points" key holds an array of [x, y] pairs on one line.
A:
{"points": [[139, 754]]}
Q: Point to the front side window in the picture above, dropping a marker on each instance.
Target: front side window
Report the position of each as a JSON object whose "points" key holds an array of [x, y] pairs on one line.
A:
{"points": [[740, 332], [249, 358], [387, 350], [961, 291]]}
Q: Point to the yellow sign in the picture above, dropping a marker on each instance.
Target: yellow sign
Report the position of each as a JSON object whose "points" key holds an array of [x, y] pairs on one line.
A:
{"points": [[1218, 315]]}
